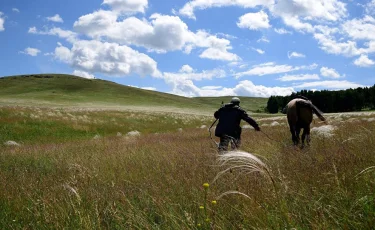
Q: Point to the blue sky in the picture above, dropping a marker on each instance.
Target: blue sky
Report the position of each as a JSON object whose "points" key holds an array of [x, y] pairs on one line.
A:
{"points": [[195, 48]]}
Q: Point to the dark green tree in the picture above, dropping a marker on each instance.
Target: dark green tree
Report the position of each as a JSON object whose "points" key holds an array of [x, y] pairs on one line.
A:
{"points": [[272, 105]]}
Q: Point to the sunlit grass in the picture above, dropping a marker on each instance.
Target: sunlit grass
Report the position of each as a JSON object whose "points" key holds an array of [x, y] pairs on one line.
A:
{"points": [[60, 177]]}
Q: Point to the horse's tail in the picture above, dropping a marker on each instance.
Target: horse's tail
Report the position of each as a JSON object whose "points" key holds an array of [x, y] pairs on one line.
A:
{"points": [[318, 112]]}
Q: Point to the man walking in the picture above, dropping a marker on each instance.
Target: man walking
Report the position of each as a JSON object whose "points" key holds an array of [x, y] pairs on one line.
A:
{"points": [[228, 128]]}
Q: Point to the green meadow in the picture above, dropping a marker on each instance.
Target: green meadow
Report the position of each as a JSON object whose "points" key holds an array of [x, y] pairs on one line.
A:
{"points": [[91, 154]]}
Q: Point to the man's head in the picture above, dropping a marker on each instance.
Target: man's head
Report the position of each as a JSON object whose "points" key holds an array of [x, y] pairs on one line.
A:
{"points": [[235, 100]]}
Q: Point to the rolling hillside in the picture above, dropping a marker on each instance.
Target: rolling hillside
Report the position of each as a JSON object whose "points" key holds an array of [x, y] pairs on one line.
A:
{"points": [[68, 90]]}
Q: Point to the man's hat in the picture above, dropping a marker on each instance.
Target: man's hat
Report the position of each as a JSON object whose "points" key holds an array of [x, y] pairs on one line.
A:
{"points": [[235, 100]]}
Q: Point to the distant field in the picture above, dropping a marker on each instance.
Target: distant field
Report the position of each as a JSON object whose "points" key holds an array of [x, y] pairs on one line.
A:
{"points": [[66, 90]]}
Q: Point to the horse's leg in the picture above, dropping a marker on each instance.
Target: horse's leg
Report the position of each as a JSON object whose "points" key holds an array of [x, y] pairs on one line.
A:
{"points": [[293, 132], [298, 131], [304, 136], [308, 135]]}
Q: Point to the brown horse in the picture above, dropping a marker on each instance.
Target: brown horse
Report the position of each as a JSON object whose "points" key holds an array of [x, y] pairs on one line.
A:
{"points": [[300, 115]]}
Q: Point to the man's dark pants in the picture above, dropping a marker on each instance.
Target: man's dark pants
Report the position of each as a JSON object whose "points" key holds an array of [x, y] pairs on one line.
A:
{"points": [[225, 140]]}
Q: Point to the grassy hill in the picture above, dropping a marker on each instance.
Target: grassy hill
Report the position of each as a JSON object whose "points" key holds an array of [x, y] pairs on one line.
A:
{"points": [[68, 90]]}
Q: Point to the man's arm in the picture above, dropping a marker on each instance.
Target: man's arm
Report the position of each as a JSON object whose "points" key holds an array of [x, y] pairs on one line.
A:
{"points": [[250, 120]]}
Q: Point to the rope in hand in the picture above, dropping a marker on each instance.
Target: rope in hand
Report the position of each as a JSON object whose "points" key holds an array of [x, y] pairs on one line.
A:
{"points": [[271, 138]]}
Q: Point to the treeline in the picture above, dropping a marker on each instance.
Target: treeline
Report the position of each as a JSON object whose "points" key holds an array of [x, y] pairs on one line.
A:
{"points": [[329, 101]]}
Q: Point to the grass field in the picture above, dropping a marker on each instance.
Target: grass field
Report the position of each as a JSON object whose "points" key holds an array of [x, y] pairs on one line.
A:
{"points": [[89, 169]]}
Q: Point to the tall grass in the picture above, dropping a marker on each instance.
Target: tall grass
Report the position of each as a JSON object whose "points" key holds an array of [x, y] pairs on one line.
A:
{"points": [[154, 181]]}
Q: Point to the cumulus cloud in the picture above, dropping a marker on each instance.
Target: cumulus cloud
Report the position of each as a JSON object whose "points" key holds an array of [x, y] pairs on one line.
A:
{"points": [[161, 34], [331, 46], [360, 29], [329, 85], [189, 8], [182, 83], [254, 21], [272, 68], [331, 10], [243, 88], [107, 58], [2, 20], [299, 77], [364, 61], [15, 10], [186, 69], [30, 51], [127, 6], [83, 74], [55, 18], [295, 55], [329, 72]]}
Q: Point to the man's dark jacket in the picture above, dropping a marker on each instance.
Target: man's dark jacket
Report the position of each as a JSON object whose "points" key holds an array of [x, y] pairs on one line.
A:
{"points": [[230, 116]]}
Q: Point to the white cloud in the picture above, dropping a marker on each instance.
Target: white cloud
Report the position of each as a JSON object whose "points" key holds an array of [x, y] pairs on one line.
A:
{"points": [[263, 39], [300, 14], [272, 68], [63, 54], [211, 87], [217, 48], [32, 30], [15, 10], [370, 7], [107, 58], [127, 6], [330, 85], [188, 74], [55, 18], [2, 20], [330, 45], [295, 55], [258, 50], [299, 77], [329, 72], [283, 31], [55, 31], [149, 88], [219, 54], [297, 24], [188, 8], [83, 74], [331, 10], [360, 28], [161, 34], [248, 88], [243, 88], [254, 21], [364, 61], [30, 51], [186, 69]]}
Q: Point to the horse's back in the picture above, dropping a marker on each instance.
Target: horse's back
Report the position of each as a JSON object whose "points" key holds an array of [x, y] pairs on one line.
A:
{"points": [[299, 110], [291, 111]]}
